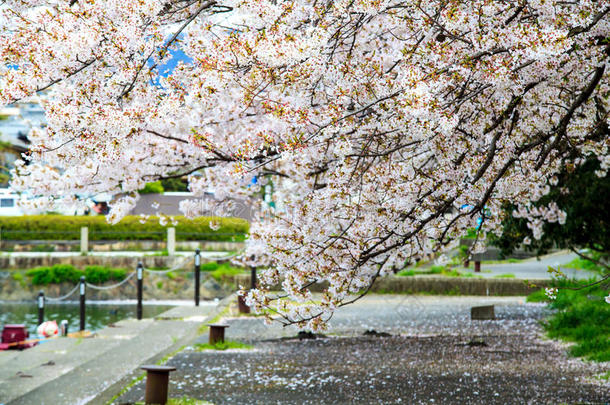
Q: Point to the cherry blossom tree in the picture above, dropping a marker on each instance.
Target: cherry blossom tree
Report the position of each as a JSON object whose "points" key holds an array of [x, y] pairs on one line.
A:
{"points": [[385, 128]]}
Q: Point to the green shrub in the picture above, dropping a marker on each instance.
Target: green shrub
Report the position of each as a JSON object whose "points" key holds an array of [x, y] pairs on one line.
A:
{"points": [[582, 317], [225, 271], [102, 274], [42, 275], [61, 273], [66, 272], [209, 266], [65, 227], [152, 188]]}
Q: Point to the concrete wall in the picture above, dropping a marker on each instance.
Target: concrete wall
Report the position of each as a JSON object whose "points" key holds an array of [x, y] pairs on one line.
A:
{"points": [[440, 285], [126, 262]]}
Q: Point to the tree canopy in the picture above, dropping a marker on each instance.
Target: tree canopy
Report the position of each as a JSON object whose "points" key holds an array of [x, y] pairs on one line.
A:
{"points": [[583, 196], [386, 128]]}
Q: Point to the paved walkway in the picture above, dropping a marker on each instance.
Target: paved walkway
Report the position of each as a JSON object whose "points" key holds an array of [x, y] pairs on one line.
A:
{"points": [[73, 371], [435, 354], [535, 268]]}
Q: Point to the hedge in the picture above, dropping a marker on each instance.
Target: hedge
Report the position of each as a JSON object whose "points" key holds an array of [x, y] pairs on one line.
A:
{"points": [[65, 227], [61, 273]]}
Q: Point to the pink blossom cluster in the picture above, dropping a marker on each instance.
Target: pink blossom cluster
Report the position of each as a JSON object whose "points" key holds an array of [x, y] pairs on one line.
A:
{"points": [[384, 129]]}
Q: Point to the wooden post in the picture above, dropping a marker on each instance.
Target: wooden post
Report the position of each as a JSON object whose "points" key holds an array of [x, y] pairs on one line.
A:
{"points": [[157, 382], [477, 266], [171, 241], [84, 239], [217, 333]]}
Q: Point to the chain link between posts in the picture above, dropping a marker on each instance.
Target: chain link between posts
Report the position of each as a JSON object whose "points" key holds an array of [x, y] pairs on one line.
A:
{"points": [[110, 287], [179, 266], [63, 297]]}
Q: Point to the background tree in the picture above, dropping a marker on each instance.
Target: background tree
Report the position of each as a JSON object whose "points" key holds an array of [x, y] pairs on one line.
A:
{"points": [[385, 127], [583, 196]]}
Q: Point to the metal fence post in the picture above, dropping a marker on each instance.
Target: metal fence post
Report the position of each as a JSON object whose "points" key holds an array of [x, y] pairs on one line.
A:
{"points": [[197, 275], [140, 270], [82, 303], [40, 307], [84, 239]]}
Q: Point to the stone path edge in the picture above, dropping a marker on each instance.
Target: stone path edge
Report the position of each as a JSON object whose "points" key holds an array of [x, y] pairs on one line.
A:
{"points": [[114, 390]]}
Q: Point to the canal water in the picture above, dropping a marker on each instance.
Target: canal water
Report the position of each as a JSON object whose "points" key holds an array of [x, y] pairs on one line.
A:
{"points": [[98, 314]]}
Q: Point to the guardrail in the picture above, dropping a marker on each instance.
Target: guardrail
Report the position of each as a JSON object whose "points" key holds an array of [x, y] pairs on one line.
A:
{"points": [[139, 272]]}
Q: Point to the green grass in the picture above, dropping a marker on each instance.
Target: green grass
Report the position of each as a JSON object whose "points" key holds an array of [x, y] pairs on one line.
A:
{"points": [[221, 272], [583, 264], [507, 261], [183, 401], [435, 270], [582, 317], [222, 346], [508, 275]]}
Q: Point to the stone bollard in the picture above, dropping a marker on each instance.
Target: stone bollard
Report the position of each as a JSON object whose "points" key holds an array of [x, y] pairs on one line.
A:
{"points": [[171, 241], [482, 313], [217, 333], [84, 239], [157, 382]]}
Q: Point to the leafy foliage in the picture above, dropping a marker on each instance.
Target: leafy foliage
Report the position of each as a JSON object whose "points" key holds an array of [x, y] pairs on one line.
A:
{"points": [[584, 197], [582, 317], [152, 188], [59, 227], [61, 273]]}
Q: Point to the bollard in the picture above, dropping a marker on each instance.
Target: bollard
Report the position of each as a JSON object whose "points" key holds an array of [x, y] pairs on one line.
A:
{"points": [[482, 313], [84, 239], [467, 263], [477, 266], [157, 381], [242, 306], [82, 303], [171, 241], [40, 307], [140, 275], [217, 333], [197, 275], [64, 328]]}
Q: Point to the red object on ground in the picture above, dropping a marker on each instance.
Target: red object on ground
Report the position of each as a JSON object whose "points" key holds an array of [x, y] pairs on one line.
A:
{"points": [[15, 337]]}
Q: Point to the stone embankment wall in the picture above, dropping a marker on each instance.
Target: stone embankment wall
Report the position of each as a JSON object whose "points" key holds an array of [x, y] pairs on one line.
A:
{"points": [[177, 286], [440, 285], [115, 246], [126, 262]]}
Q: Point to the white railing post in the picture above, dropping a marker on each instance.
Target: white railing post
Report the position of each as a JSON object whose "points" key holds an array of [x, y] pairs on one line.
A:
{"points": [[84, 239], [171, 241]]}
